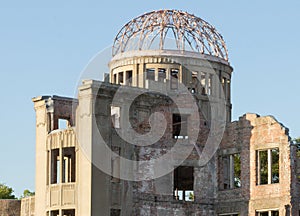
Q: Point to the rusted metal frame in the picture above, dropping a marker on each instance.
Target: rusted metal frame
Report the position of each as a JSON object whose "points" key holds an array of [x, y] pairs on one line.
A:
{"points": [[216, 45], [146, 34], [190, 31]]}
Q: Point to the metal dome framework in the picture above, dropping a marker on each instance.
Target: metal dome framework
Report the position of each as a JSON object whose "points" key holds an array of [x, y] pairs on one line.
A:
{"points": [[189, 32]]}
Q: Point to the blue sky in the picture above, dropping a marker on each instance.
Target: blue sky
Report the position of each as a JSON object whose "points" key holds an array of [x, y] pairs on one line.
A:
{"points": [[44, 46]]}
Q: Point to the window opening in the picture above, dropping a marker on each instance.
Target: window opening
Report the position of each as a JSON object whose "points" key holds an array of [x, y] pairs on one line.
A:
{"points": [[69, 165], [174, 78], [184, 183], [63, 124], [54, 213], [267, 166], [115, 212], [268, 213], [161, 74], [180, 126], [121, 78], [203, 83], [115, 79], [55, 166], [150, 73], [129, 78], [68, 212], [115, 116], [231, 171]]}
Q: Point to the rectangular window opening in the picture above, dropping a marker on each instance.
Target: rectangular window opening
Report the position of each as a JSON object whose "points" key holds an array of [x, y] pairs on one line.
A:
{"points": [[69, 165], [180, 126], [203, 83], [231, 176], [54, 213], [55, 166], [267, 213], [195, 82], [161, 74], [115, 79], [210, 84], [150, 73], [63, 124], [115, 116], [267, 166], [121, 78], [68, 212], [129, 78], [115, 212], [184, 183], [174, 78]]}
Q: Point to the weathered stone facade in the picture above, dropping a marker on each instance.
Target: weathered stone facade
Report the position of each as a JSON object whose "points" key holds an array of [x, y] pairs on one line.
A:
{"points": [[103, 162], [10, 207]]}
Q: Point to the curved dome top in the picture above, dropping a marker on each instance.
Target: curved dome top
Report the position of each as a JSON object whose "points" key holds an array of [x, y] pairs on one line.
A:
{"points": [[170, 29]]}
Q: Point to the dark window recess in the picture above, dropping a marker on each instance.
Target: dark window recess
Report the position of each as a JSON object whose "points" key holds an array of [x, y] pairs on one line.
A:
{"points": [[54, 213], [150, 73], [184, 183], [55, 166], [161, 74], [174, 78], [115, 79], [69, 165], [231, 176], [121, 78], [68, 212], [129, 78], [115, 212], [180, 126]]}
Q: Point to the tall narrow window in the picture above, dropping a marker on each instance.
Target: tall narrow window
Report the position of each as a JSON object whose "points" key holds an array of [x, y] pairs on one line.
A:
{"points": [[115, 78], [224, 85], [150, 73], [267, 166], [161, 74], [210, 84], [69, 165], [129, 78], [203, 83], [174, 78], [55, 166], [231, 177], [184, 183], [121, 78], [180, 126], [195, 82], [115, 116], [228, 89]]}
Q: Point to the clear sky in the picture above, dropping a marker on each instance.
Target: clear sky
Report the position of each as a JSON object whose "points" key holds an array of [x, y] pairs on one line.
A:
{"points": [[44, 46]]}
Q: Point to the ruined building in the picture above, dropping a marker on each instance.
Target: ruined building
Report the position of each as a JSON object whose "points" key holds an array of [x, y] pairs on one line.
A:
{"points": [[156, 137]]}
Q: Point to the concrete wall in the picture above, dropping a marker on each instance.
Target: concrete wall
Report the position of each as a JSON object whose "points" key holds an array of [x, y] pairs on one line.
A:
{"points": [[28, 206]]}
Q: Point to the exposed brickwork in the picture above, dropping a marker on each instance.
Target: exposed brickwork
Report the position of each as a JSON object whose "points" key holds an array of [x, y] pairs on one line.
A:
{"points": [[10, 207]]}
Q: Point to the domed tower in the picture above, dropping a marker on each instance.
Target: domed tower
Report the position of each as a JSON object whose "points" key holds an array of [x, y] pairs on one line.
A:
{"points": [[172, 47]]}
